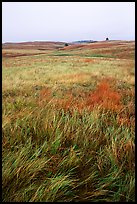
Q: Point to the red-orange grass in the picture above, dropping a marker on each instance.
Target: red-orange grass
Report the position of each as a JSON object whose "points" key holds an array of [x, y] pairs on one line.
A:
{"points": [[104, 96]]}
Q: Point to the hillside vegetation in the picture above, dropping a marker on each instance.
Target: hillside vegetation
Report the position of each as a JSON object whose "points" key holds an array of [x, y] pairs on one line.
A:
{"points": [[68, 122]]}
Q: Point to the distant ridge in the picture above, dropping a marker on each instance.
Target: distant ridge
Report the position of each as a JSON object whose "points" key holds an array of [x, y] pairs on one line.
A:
{"points": [[41, 42], [33, 42], [41, 45], [84, 41]]}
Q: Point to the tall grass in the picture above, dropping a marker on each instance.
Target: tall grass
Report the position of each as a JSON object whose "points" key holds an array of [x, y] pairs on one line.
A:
{"points": [[52, 155], [68, 140]]}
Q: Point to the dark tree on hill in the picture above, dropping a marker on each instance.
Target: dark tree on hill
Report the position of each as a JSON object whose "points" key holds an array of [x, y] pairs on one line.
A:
{"points": [[107, 39], [66, 44]]}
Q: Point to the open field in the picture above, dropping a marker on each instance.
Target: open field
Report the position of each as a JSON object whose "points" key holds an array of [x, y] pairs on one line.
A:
{"points": [[68, 122]]}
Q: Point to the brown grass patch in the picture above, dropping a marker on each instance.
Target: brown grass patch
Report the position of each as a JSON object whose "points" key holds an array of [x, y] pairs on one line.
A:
{"points": [[104, 96], [88, 60], [71, 47], [45, 94]]}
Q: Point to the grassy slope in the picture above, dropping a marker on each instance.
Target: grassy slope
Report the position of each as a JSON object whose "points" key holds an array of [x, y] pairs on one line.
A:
{"points": [[68, 124]]}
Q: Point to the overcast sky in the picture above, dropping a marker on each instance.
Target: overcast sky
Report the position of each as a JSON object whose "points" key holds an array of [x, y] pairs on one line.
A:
{"points": [[67, 21]]}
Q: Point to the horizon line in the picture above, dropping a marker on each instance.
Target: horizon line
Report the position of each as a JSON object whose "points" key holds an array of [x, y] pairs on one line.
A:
{"points": [[63, 41]]}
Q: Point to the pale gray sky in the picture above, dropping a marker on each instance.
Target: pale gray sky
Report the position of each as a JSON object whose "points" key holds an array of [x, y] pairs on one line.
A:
{"points": [[67, 21]]}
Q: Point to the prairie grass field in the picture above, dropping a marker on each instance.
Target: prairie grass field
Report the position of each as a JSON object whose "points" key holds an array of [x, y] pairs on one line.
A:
{"points": [[68, 122]]}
